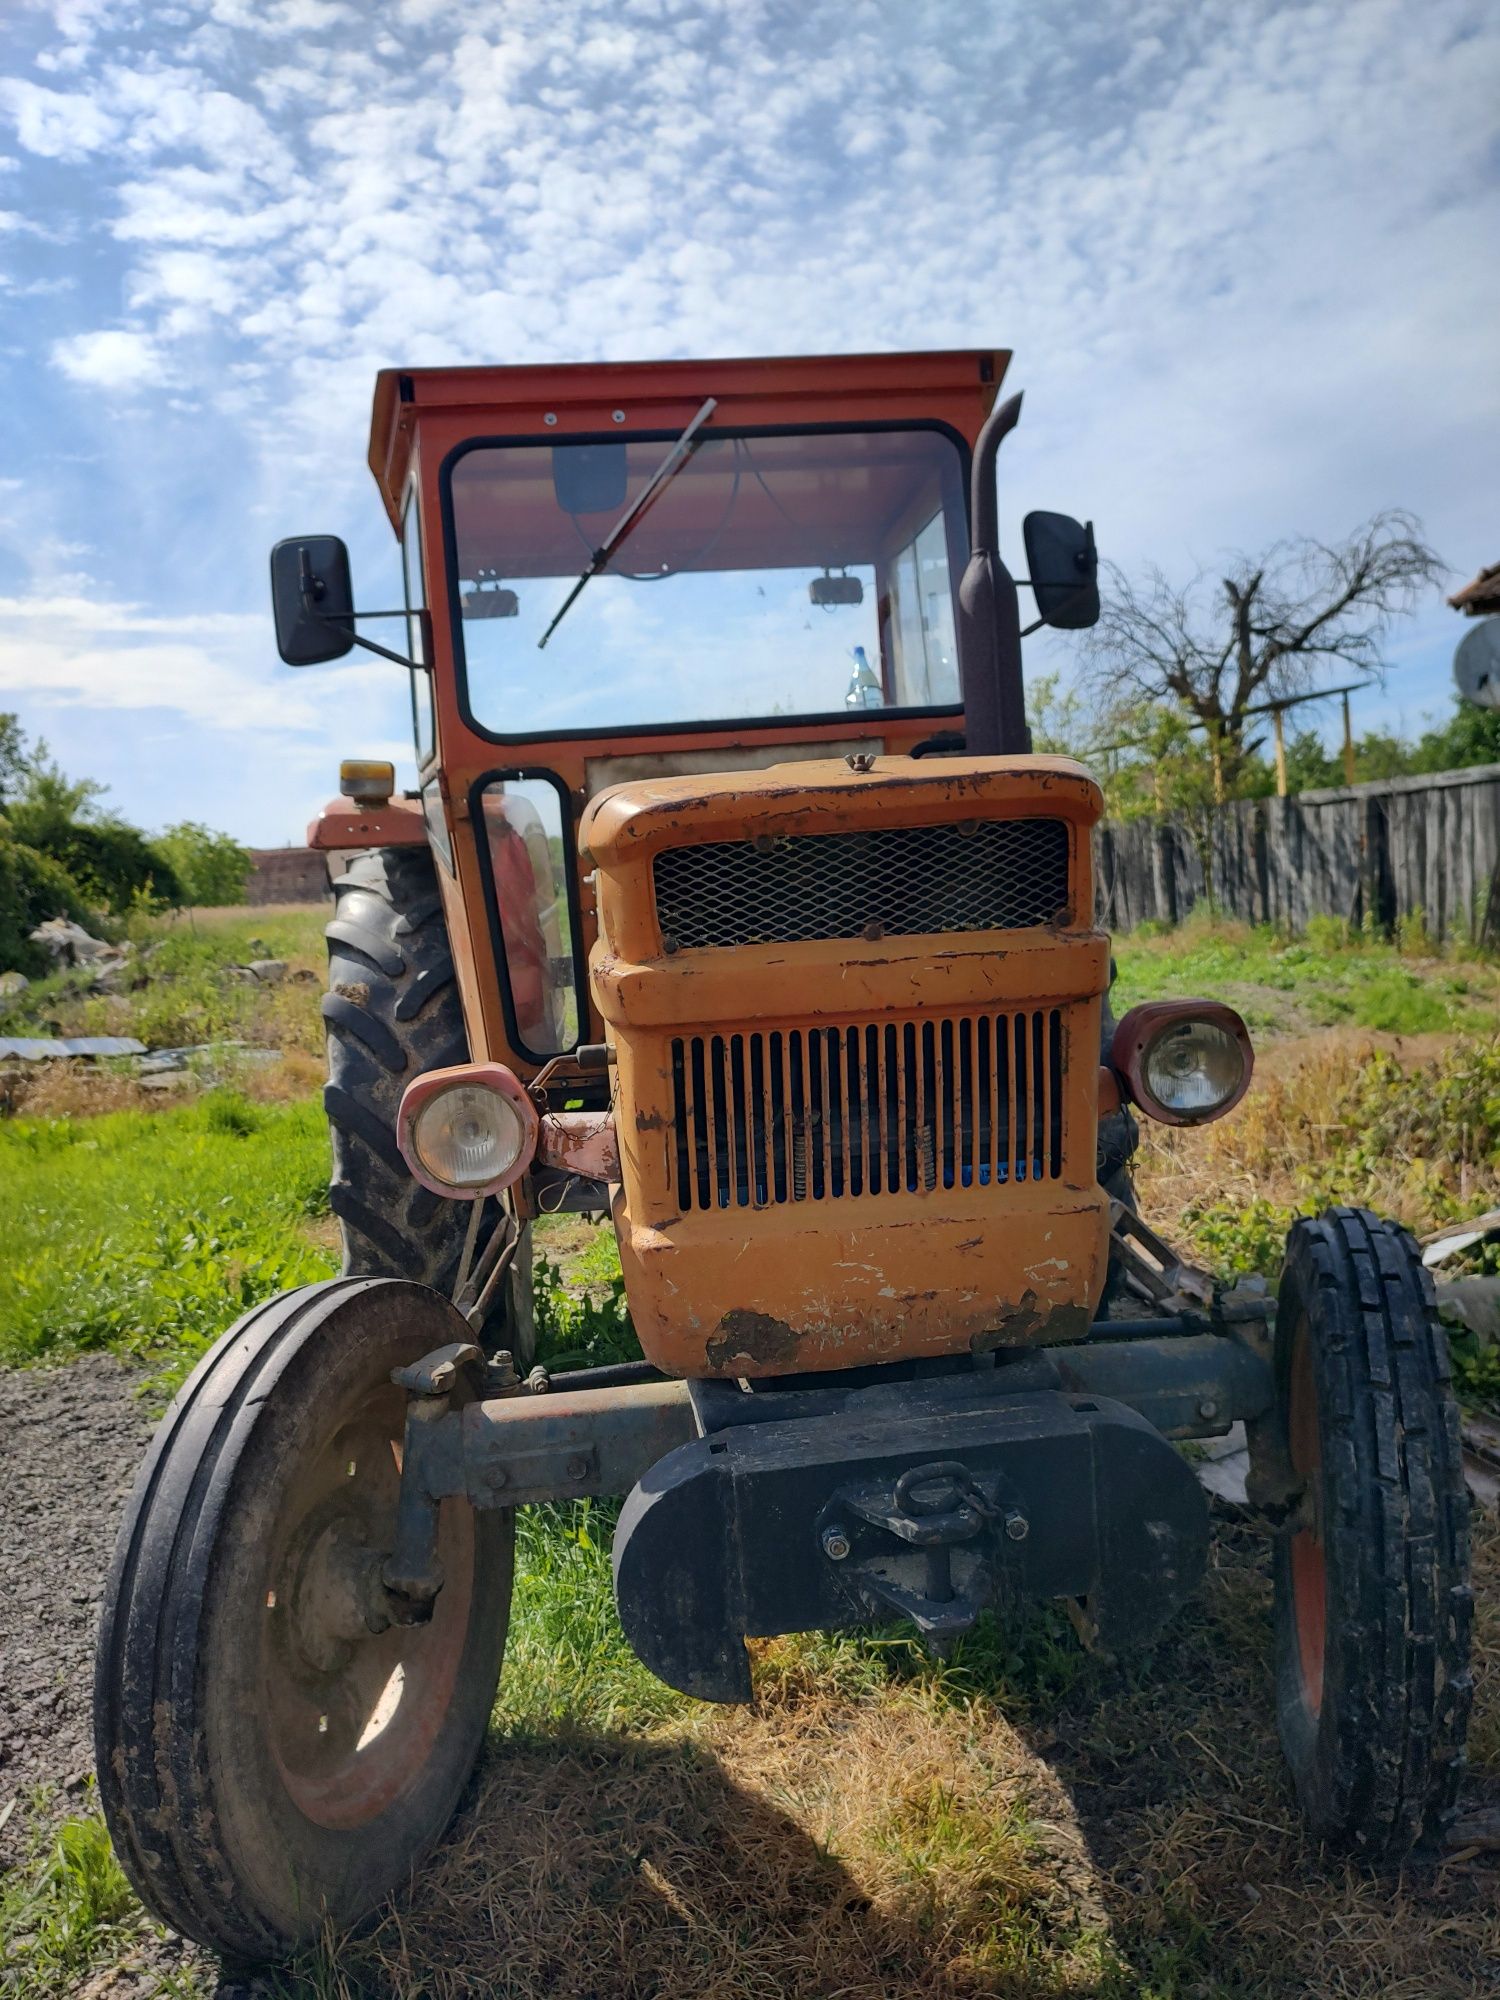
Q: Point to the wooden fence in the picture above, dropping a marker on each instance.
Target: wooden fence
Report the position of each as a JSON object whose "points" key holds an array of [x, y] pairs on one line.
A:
{"points": [[1380, 852]]}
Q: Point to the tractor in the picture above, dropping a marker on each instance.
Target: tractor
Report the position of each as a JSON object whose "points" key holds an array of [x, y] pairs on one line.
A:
{"points": [[732, 904]]}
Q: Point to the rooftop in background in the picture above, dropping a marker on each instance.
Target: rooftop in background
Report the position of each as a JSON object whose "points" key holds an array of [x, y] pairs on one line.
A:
{"points": [[1480, 596]]}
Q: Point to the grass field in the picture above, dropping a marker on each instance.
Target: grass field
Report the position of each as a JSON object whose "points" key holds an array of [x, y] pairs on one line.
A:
{"points": [[1021, 1820]]}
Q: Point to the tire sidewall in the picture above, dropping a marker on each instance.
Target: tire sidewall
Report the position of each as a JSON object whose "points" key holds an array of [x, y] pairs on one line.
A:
{"points": [[237, 1864]]}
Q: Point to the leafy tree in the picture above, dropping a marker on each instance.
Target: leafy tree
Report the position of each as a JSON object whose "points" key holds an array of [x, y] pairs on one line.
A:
{"points": [[1471, 735], [1265, 629], [211, 868], [12, 757], [112, 865]]}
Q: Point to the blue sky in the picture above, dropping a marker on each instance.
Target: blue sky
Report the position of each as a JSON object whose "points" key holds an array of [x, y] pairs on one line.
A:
{"points": [[1245, 253]]}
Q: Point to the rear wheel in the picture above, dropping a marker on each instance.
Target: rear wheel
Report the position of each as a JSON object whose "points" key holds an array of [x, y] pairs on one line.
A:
{"points": [[1372, 1599], [391, 1012], [267, 1757]]}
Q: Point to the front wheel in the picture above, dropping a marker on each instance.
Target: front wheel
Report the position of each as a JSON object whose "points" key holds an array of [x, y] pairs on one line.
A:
{"points": [[266, 1757], [1372, 1598]]}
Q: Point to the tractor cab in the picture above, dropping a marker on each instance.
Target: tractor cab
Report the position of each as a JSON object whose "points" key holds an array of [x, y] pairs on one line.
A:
{"points": [[623, 572]]}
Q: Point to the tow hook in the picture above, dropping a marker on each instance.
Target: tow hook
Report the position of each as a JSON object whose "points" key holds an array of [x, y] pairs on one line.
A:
{"points": [[932, 1510]]}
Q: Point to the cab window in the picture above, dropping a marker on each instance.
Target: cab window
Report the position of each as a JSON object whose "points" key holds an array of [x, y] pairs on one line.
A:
{"points": [[416, 601]]}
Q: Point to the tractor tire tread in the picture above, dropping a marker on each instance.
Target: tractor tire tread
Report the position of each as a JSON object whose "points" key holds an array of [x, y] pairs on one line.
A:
{"points": [[1396, 1536], [393, 1012], [141, 1604]]}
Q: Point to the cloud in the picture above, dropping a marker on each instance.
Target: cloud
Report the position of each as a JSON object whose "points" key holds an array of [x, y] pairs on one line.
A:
{"points": [[113, 358], [1237, 249], [57, 125]]}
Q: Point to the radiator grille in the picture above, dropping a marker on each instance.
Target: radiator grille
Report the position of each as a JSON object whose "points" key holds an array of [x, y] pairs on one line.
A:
{"points": [[890, 881], [815, 1114]]}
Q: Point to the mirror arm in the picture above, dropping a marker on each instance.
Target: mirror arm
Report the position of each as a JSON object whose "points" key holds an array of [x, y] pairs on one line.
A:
{"points": [[309, 605]]}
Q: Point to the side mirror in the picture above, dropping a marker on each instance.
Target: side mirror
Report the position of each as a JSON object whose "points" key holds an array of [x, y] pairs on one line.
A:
{"points": [[1064, 565], [312, 599]]}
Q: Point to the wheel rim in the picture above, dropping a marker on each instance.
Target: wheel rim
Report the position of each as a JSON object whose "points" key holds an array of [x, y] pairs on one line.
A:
{"points": [[352, 1715], [1309, 1571]]}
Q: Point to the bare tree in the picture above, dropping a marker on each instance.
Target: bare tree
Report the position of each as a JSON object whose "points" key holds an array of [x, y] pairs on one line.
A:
{"points": [[1272, 626]]}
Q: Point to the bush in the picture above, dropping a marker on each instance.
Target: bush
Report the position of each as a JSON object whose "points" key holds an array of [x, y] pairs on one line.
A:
{"points": [[113, 865], [212, 868], [33, 887]]}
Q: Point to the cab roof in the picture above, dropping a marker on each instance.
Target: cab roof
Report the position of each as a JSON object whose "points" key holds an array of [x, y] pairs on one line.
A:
{"points": [[551, 401]]}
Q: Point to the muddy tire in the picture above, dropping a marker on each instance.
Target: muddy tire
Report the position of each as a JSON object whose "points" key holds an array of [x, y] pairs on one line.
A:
{"points": [[391, 1012], [1372, 1600], [266, 1761]]}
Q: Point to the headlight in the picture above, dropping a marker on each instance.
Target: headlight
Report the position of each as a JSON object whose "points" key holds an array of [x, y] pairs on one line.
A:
{"points": [[1183, 1061], [467, 1132]]}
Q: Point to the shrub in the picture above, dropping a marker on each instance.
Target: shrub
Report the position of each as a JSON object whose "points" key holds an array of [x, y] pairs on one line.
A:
{"points": [[212, 868], [112, 864], [33, 887]]}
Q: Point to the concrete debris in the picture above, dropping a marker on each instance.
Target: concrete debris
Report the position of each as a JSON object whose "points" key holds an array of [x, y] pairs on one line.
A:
{"points": [[1224, 1468], [1457, 1236], [169, 1062], [259, 972], [1473, 1303], [67, 943], [39, 1048]]}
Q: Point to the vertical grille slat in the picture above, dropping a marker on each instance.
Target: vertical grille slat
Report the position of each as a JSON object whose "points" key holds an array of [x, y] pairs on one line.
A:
{"points": [[761, 1118]]}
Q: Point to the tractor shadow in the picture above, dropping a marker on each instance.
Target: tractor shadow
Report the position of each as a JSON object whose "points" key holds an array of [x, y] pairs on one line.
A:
{"points": [[1150, 1807], [1172, 1772], [604, 1868]]}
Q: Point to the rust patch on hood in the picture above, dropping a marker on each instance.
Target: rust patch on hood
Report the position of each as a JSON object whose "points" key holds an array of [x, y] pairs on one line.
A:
{"points": [[750, 1336], [1026, 1322]]}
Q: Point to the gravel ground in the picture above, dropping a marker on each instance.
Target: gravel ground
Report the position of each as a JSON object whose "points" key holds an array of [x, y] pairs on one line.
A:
{"points": [[73, 1438]]}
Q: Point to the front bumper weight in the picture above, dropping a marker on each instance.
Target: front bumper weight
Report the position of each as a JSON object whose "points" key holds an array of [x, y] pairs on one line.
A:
{"points": [[728, 1537]]}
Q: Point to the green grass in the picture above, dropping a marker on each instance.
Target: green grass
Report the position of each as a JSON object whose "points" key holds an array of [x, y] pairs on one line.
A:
{"points": [[67, 1908], [148, 1233], [1330, 978]]}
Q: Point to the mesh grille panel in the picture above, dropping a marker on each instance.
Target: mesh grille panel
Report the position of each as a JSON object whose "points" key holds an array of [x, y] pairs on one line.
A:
{"points": [[815, 1114], [884, 882]]}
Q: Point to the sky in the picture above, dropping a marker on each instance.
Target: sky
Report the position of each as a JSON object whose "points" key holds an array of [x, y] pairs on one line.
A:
{"points": [[1245, 253]]}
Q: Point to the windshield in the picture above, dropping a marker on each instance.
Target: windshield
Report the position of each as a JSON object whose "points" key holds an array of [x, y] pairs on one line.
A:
{"points": [[772, 576]]}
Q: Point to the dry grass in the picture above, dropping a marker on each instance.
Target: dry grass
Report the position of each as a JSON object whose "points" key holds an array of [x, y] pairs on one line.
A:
{"points": [[1302, 1136], [905, 1833]]}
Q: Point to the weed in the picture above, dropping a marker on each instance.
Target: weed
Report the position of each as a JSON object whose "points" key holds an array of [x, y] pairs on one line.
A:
{"points": [[1325, 934], [587, 1322], [67, 1908]]}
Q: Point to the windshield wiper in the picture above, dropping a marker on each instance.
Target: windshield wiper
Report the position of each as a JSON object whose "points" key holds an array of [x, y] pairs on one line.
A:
{"points": [[653, 486]]}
